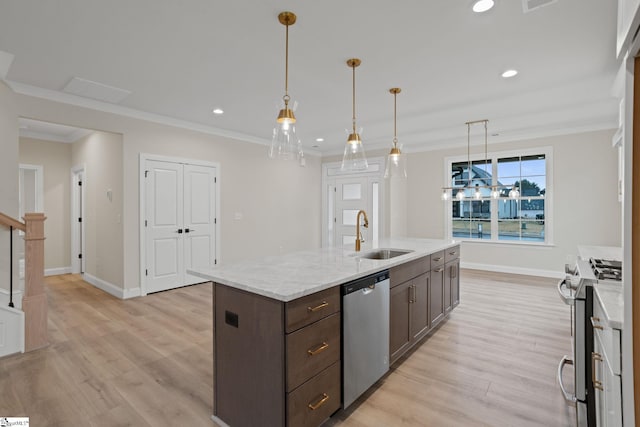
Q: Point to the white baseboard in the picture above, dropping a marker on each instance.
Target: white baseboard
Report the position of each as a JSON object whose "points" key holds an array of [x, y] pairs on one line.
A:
{"points": [[57, 271], [110, 288], [131, 293], [513, 270], [17, 298]]}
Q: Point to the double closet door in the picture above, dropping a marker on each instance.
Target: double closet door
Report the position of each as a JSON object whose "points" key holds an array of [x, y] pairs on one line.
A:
{"points": [[179, 223]]}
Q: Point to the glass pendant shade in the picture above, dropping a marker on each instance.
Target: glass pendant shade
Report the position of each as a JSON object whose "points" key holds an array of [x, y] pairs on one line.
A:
{"points": [[445, 194], [477, 194], [514, 193], [460, 194], [284, 142], [495, 193], [354, 157], [396, 164], [396, 161]]}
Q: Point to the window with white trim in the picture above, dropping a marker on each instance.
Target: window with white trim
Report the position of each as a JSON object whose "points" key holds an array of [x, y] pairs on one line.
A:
{"points": [[504, 197]]}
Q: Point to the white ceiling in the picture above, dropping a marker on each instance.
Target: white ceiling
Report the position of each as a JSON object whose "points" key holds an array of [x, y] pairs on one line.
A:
{"points": [[182, 59]]}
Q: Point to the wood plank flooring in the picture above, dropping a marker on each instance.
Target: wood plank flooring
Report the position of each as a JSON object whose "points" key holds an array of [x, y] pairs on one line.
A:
{"points": [[148, 361]]}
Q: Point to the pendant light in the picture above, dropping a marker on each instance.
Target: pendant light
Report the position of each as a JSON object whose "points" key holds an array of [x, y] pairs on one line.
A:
{"points": [[354, 158], [461, 192], [285, 143], [396, 162]]}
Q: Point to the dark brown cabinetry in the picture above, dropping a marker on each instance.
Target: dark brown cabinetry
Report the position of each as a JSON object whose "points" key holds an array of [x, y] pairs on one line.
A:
{"points": [[423, 292], [409, 308], [437, 289], [276, 361], [452, 278]]}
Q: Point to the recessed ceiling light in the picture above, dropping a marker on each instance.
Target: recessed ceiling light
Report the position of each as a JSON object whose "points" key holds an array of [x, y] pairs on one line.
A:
{"points": [[218, 111], [509, 73], [319, 139], [482, 5], [315, 146]]}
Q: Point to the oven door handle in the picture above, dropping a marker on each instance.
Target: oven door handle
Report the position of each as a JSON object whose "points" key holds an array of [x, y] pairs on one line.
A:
{"points": [[567, 298], [567, 396]]}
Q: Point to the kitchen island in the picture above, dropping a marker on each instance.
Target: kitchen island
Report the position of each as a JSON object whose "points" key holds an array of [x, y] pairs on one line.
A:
{"points": [[277, 325]]}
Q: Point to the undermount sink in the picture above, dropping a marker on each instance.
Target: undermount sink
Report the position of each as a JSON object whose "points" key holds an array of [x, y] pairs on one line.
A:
{"points": [[383, 253]]}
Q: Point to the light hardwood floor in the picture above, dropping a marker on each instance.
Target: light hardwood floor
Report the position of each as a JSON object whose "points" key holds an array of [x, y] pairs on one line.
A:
{"points": [[148, 362]]}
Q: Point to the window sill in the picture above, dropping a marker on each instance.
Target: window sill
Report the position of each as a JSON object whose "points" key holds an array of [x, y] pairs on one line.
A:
{"points": [[507, 243]]}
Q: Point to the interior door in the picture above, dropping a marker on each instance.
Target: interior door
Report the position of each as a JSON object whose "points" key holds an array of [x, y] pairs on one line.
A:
{"points": [[199, 219], [164, 226]]}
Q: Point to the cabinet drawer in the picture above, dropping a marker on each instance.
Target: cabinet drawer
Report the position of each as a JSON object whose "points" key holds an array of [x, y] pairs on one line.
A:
{"points": [[437, 259], [314, 401], [306, 310], [452, 253], [409, 270], [312, 349], [609, 337]]}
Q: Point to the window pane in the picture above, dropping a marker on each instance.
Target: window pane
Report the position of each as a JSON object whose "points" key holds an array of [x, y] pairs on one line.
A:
{"points": [[351, 191], [471, 219], [509, 167], [533, 165], [532, 186], [532, 230], [349, 216]]}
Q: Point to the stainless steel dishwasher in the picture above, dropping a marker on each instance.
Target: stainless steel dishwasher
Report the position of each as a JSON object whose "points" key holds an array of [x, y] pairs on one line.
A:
{"points": [[365, 334]]}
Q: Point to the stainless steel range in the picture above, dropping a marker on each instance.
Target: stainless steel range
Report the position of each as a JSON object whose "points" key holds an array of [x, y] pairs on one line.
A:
{"points": [[576, 290]]}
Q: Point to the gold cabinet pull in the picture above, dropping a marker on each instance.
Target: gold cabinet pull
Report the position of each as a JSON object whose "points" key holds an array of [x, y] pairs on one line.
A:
{"points": [[319, 403], [322, 347], [439, 270], [453, 253], [318, 307], [594, 320], [438, 259], [595, 357]]}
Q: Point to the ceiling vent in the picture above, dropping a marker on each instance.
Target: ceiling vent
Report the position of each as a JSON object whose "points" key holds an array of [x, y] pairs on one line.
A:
{"points": [[97, 91], [531, 5]]}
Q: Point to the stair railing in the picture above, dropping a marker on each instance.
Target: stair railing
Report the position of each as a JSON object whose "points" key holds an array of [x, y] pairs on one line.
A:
{"points": [[12, 224], [34, 300]]}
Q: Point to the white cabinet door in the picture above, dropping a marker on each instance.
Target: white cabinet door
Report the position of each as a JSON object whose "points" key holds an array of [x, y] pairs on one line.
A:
{"points": [[609, 389], [180, 223]]}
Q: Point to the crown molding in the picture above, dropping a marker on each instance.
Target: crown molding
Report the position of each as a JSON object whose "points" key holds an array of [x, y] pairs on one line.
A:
{"points": [[105, 107]]}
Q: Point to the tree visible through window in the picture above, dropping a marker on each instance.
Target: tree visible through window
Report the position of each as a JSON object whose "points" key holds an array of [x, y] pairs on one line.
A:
{"points": [[501, 198]]}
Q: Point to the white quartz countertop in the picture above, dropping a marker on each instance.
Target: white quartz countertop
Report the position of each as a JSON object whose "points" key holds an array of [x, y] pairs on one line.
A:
{"points": [[600, 252], [290, 276], [610, 296]]}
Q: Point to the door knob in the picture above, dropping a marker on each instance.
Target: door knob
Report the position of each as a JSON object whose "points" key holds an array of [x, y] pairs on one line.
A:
{"points": [[186, 230], [179, 231]]}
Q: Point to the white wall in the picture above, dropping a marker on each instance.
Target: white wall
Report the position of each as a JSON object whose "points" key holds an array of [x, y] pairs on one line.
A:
{"points": [[8, 176], [55, 158], [101, 154], [585, 206], [280, 202]]}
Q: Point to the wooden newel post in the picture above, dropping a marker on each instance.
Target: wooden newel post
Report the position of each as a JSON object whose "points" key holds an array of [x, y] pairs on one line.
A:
{"points": [[34, 302]]}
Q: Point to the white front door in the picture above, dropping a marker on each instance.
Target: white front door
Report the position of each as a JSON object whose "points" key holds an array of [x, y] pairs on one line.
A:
{"points": [[179, 223], [345, 193], [351, 196]]}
